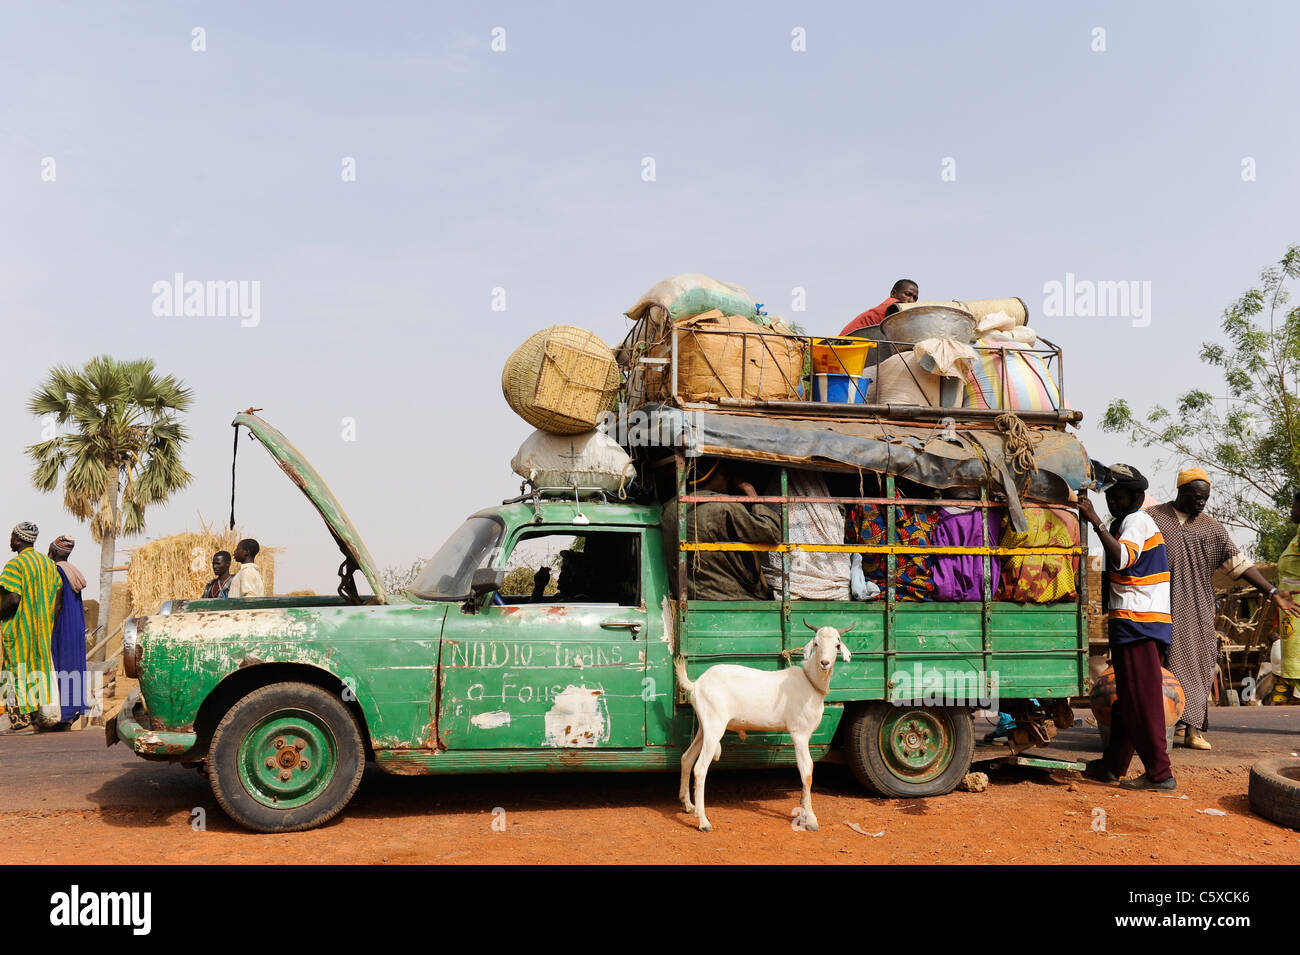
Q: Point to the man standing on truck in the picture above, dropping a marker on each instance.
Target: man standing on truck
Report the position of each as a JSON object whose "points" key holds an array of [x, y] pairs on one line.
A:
{"points": [[1198, 545], [248, 582], [716, 574], [1138, 625], [904, 290]]}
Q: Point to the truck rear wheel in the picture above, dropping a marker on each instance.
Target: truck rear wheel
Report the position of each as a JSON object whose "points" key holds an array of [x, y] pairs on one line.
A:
{"points": [[907, 751], [286, 757]]}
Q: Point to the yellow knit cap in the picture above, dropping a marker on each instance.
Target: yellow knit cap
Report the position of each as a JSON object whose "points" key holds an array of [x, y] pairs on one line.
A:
{"points": [[1192, 474]]}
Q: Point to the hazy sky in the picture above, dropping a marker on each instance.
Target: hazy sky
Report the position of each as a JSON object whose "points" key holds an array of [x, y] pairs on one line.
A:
{"points": [[522, 169]]}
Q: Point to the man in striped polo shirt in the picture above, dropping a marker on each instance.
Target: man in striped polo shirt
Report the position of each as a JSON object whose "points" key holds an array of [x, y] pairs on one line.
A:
{"points": [[29, 588], [1139, 627]]}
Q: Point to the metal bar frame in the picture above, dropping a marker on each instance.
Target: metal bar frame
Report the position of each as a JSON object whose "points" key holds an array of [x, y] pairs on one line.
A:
{"points": [[1049, 351]]}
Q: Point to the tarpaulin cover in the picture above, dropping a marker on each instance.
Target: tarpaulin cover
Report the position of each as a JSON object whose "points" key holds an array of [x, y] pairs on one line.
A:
{"points": [[938, 456]]}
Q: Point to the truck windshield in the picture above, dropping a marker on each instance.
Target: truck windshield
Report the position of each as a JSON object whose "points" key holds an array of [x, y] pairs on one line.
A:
{"points": [[447, 574]]}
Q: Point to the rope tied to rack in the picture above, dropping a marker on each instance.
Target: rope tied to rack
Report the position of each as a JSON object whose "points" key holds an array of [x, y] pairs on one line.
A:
{"points": [[1019, 442]]}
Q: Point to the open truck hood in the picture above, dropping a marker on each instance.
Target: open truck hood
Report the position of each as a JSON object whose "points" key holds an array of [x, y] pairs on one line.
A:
{"points": [[300, 471]]}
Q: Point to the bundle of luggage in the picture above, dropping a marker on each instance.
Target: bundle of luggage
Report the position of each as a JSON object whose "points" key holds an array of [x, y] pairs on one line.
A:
{"points": [[727, 346], [564, 381], [982, 355], [696, 339]]}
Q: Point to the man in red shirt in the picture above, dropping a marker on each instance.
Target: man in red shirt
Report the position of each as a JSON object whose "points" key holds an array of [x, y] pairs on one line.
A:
{"points": [[904, 290]]}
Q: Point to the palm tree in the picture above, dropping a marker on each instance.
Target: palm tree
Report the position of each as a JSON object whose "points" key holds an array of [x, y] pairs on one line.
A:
{"points": [[120, 450]]}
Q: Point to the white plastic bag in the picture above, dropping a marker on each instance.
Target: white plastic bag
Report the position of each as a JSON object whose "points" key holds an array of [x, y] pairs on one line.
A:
{"points": [[590, 459]]}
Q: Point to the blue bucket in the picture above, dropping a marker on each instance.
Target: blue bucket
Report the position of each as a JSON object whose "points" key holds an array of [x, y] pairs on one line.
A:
{"points": [[841, 389]]}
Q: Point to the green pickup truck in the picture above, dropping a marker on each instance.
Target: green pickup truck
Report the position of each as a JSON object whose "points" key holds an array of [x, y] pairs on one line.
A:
{"points": [[484, 667]]}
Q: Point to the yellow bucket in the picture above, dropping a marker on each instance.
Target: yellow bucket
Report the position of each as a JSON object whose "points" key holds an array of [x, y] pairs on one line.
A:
{"points": [[840, 356]]}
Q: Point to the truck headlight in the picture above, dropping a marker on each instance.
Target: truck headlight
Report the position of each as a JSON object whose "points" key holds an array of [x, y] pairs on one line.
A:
{"points": [[131, 649]]}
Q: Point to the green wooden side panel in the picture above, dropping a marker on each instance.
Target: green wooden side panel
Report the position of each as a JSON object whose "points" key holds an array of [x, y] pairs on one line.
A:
{"points": [[1034, 651]]}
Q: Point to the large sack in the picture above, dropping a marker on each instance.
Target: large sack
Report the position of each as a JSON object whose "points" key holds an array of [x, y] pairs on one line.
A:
{"points": [[591, 459], [562, 379], [691, 293], [726, 356], [1025, 383], [900, 380]]}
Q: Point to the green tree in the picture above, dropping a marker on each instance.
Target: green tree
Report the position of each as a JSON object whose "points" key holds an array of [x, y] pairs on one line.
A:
{"points": [[118, 450], [398, 579], [1250, 442]]}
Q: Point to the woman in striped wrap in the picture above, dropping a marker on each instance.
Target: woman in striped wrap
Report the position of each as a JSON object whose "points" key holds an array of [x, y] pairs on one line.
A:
{"points": [[29, 588]]}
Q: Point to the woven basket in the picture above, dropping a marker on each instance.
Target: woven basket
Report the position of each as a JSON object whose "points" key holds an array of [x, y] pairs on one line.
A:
{"points": [[561, 380]]}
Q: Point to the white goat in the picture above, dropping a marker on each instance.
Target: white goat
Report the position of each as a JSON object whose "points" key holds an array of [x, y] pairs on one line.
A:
{"points": [[730, 697]]}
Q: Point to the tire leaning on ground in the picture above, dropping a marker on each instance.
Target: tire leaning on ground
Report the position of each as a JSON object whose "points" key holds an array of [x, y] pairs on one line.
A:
{"points": [[286, 757], [1275, 790], [908, 751]]}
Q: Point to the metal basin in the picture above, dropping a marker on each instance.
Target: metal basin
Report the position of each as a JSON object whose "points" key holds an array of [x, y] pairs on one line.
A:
{"points": [[920, 322]]}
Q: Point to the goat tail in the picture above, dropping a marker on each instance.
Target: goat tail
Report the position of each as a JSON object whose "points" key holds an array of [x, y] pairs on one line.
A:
{"points": [[683, 681]]}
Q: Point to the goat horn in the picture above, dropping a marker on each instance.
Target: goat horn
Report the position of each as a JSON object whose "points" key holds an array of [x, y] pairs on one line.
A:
{"points": [[850, 629], [808, 625]]}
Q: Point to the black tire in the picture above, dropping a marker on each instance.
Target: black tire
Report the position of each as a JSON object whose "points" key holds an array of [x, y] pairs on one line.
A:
{"points": [[864, 749], [1275, 790], [331, 788]]}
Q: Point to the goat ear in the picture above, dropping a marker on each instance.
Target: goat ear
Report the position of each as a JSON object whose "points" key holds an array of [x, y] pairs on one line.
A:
{"points": [[844, 652], [808, 648]]}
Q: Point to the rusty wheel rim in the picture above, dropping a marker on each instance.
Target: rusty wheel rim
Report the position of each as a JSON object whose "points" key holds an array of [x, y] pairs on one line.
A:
{"points": [[287, 759]]}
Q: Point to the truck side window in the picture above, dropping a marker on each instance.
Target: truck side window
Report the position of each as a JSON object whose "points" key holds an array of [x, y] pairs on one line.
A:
{"points": [[595, 567]]}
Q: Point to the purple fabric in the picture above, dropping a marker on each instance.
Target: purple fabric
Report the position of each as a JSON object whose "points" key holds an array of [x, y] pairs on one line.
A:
{"points": [[68, 648], [961, 576]]}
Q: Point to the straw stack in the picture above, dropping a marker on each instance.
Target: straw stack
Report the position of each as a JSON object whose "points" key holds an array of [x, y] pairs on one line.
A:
{"points": [[178, 567]]}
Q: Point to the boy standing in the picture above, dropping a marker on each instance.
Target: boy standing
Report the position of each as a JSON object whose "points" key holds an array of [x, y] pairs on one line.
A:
{"points": [[1139, 627]]}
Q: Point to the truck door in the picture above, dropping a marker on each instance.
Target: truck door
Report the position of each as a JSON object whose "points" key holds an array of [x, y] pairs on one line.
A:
{"points": [[557, 660]]}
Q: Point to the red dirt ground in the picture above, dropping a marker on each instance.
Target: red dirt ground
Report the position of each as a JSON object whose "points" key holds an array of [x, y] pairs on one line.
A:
{"points": [[1024, 816]]}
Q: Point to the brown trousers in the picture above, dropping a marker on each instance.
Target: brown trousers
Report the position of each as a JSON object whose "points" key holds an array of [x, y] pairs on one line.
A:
{"points": [[1137, 721]]}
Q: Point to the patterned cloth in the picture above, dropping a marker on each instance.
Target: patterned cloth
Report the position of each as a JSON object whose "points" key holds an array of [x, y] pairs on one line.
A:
{"points": [[1288, 578], [25, 636], [961, 576], [914, 527], [1195, 548], [1040, 579], [1008, 375]]}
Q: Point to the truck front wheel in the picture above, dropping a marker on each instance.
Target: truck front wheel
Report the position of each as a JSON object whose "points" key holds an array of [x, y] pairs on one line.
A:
{"points": [[286, 757], [909, 750]]}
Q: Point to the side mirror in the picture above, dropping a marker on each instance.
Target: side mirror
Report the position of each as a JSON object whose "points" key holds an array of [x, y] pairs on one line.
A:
{"points": [[487, 580]]}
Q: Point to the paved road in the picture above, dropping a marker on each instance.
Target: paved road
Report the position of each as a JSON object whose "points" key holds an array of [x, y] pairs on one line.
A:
{"points": [[63, 771], [1240, 735]]}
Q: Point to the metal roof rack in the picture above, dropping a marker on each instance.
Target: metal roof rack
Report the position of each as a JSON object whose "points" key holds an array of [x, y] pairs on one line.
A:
{"points": [[572, 492]]}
